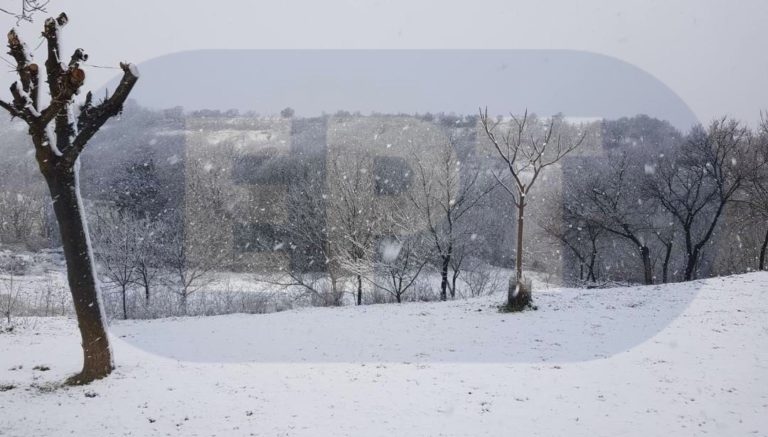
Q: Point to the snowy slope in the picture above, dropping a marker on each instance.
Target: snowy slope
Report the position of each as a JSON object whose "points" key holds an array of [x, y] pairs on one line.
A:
{"points": [[630, 361]]}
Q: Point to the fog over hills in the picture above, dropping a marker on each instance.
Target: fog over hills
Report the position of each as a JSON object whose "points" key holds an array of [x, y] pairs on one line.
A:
{"points": [[408, 81]]}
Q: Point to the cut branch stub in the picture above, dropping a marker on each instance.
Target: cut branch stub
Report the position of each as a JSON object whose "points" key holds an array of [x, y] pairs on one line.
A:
{"points": [[76, 78], [78, 57], [53, 64], [18, 50]]}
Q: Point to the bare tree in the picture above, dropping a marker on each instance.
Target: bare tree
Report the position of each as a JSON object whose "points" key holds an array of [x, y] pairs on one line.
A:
{"points": [[573, 227], [757, 191], [400, 255], [614, 203], [350, 207], [697, 183], [10, 300], [666, 235], [191, 263], [526, 151], [151, 253], [445, 191], [57, 156], [316, 268], [116, 238], [400, 262]]}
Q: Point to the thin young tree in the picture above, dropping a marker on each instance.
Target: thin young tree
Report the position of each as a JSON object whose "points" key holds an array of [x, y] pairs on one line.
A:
{"points": [[526, 150], [399, 256], [57, 154], [116, 240]]}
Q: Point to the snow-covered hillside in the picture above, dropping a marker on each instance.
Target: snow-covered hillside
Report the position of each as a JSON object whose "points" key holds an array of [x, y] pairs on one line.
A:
{"points": [[683, 359]]}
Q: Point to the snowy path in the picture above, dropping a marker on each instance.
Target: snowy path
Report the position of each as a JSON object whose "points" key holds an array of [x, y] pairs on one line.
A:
{"points": [[633, 361]]}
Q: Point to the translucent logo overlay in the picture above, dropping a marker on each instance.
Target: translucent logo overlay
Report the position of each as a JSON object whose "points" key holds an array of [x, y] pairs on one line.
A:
{"points": [[337, 165]]}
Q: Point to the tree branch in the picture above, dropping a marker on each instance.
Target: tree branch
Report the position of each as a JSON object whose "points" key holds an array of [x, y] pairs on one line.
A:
{"points": [[92, 118]]}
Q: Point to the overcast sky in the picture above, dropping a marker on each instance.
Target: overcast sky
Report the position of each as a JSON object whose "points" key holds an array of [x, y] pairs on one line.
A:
{"points": [[713, 54]]}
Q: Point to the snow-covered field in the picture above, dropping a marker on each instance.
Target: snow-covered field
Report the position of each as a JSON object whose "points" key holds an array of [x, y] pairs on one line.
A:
{"points": [[684, 359]]}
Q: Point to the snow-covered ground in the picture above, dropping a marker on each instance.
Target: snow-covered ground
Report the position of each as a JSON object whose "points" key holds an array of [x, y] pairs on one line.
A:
{"points": [[684, 359]]}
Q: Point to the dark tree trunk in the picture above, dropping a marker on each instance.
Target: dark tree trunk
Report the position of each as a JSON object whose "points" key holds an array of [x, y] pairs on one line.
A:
{"points": [[453, 284], [763, 248], [59, 167], [97, 356], [645, 253], [665, 266], [592, 259], [184, 303], [359, 289], [690, 265], [125, 307], [444, 278]]}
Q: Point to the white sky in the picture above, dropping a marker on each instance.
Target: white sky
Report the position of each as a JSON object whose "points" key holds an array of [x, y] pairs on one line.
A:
{"points": [[714, 54]]}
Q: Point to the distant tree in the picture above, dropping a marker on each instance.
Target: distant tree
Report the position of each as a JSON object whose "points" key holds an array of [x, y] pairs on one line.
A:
{"points": [[116, 237], [696, 183], [757, 191], [57, 154], [399, 263], [151, 253], [445, 190], [400, 254], [316, 267], [190, 265], [138, 190], [569, 222], [526, 150], [613, 202], [287, 112], [350, 207]]}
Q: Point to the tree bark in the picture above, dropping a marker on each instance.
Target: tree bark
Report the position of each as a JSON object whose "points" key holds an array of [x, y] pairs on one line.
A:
{"points": [[97, 355]]}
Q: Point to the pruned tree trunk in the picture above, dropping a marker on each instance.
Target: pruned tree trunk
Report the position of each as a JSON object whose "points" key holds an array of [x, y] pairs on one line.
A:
{"points": [[57, 157], [97, 356]]}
